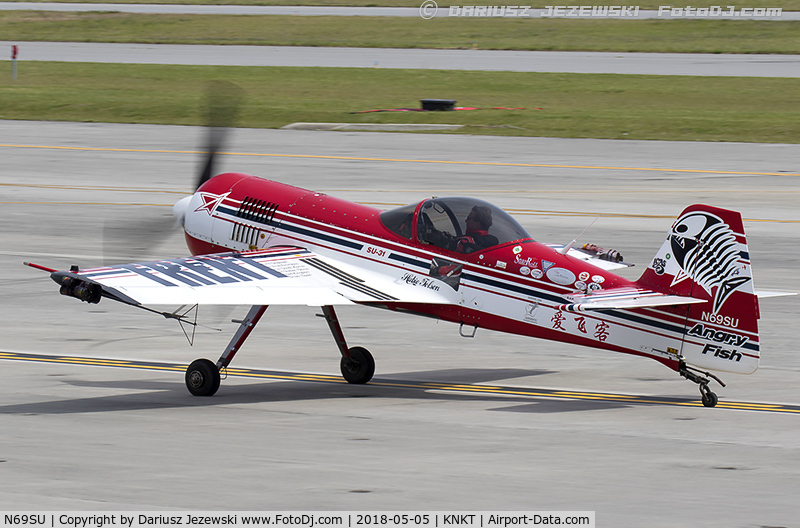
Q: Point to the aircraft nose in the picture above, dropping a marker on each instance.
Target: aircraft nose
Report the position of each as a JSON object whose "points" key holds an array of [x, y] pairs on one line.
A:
{"points": [[180, 208]]}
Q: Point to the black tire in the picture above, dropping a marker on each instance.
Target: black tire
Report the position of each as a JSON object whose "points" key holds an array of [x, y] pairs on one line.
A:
{"points": [[360, 367], [202, 378], [710, 399]]}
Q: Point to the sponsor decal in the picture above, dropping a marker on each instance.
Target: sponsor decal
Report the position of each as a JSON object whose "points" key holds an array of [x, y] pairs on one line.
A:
{"points": [[536, 273], [525, 261], [718, 336], [530, 311], [722, 353], [599, 279], [706, 250], [659, 266], [584, 276], [421, 282], [580, 285], [546, 265], [722, 320], [593, 286], [525, 270], [517, 250], [500, 264], [561, 276]]}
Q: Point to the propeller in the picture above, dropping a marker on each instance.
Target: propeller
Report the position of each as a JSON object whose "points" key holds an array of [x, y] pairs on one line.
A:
{"points": [[223, 101], [135, 239]]}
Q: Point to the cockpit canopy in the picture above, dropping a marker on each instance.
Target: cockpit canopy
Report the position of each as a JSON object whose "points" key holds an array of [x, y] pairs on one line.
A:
{"points": [[455, 223]]}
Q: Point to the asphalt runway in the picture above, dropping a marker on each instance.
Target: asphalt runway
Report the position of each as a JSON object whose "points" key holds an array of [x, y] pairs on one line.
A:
{"points": [[95, 414], [699, 64]]}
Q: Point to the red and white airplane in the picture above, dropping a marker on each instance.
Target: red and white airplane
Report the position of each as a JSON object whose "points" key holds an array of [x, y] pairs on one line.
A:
{"points": [[259, 242]]}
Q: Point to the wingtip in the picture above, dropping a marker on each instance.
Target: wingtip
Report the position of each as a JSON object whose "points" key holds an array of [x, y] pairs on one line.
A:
{"points": [[37, 266]]}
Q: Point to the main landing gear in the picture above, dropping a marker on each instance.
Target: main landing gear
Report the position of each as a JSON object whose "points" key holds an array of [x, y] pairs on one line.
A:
{"points": [[203, 376], [708, 398]]}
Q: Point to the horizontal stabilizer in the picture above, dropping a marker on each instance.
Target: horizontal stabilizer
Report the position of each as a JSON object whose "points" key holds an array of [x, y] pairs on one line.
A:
{"points": [[623, 299], [765, 294]]}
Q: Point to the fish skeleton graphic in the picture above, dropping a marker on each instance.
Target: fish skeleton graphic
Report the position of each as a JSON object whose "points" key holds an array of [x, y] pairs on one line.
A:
{"points": [[707, 251]]}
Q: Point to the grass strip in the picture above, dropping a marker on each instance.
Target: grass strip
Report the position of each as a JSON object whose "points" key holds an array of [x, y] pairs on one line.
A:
{"points": [[786, 5], [677, 36], [572, 105]]}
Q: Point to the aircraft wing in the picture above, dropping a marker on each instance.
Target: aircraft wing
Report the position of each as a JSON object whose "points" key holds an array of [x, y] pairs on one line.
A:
{"points": [[594, 258], [282, 276], [623, 298]]}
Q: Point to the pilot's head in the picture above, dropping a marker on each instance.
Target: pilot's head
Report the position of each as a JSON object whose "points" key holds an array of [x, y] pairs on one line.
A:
{"points": [[479, 219]]}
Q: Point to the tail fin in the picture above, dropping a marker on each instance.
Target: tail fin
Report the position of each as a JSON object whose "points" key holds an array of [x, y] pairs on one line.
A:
{"points": [[705, 256]]}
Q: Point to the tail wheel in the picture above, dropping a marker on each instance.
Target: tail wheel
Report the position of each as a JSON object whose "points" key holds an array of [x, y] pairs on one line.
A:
{"points": [[202, 378], [359, 367], [709, 399]]}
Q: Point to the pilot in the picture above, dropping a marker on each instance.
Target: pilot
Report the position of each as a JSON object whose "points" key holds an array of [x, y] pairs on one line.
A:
{"points": [[404, 228], [477, 236]]}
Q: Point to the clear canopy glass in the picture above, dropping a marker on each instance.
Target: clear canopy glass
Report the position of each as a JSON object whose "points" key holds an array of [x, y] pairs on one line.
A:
{"points": [[455, 223]]}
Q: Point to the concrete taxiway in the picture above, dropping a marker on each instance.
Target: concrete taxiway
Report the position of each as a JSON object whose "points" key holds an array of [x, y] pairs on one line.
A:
{"points": [[699, 64], [498, 422]]}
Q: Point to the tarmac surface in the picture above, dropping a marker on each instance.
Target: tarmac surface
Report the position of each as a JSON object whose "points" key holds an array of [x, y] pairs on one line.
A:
{"points": [[702, 64], [95, 414]]}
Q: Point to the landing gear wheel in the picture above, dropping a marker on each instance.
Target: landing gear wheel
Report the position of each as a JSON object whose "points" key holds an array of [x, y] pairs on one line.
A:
{"points": [[202, 378], [360, 367], [709, 398]]}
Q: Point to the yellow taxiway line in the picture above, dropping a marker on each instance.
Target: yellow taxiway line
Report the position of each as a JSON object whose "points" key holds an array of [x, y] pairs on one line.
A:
{"points": [[489, 390], [404, 160]]}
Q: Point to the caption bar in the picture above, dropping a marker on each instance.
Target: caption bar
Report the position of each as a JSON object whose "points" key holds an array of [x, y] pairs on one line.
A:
{"points": [[297, 519]]}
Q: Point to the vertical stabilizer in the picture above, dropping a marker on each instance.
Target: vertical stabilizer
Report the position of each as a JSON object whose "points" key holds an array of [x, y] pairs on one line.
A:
{"points": [[705, 256]]}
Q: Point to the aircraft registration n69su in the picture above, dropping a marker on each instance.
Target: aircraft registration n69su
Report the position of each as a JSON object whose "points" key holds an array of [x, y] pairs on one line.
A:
{"points": [[258, 242]]}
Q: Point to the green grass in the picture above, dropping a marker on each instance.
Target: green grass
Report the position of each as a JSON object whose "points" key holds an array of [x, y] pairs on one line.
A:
{"points": [[695, 36], [573, 105], [787, 5]]}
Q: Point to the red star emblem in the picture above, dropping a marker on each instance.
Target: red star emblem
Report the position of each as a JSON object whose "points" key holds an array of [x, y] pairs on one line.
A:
{"points": [[211, 201]]}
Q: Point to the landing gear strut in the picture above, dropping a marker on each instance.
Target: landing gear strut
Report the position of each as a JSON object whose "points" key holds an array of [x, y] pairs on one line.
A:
{"points": [[357, 364], [203, 376], [708, 398]]}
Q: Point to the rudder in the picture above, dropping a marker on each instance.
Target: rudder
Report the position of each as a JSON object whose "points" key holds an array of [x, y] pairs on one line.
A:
{"points": [[705, 256]]}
